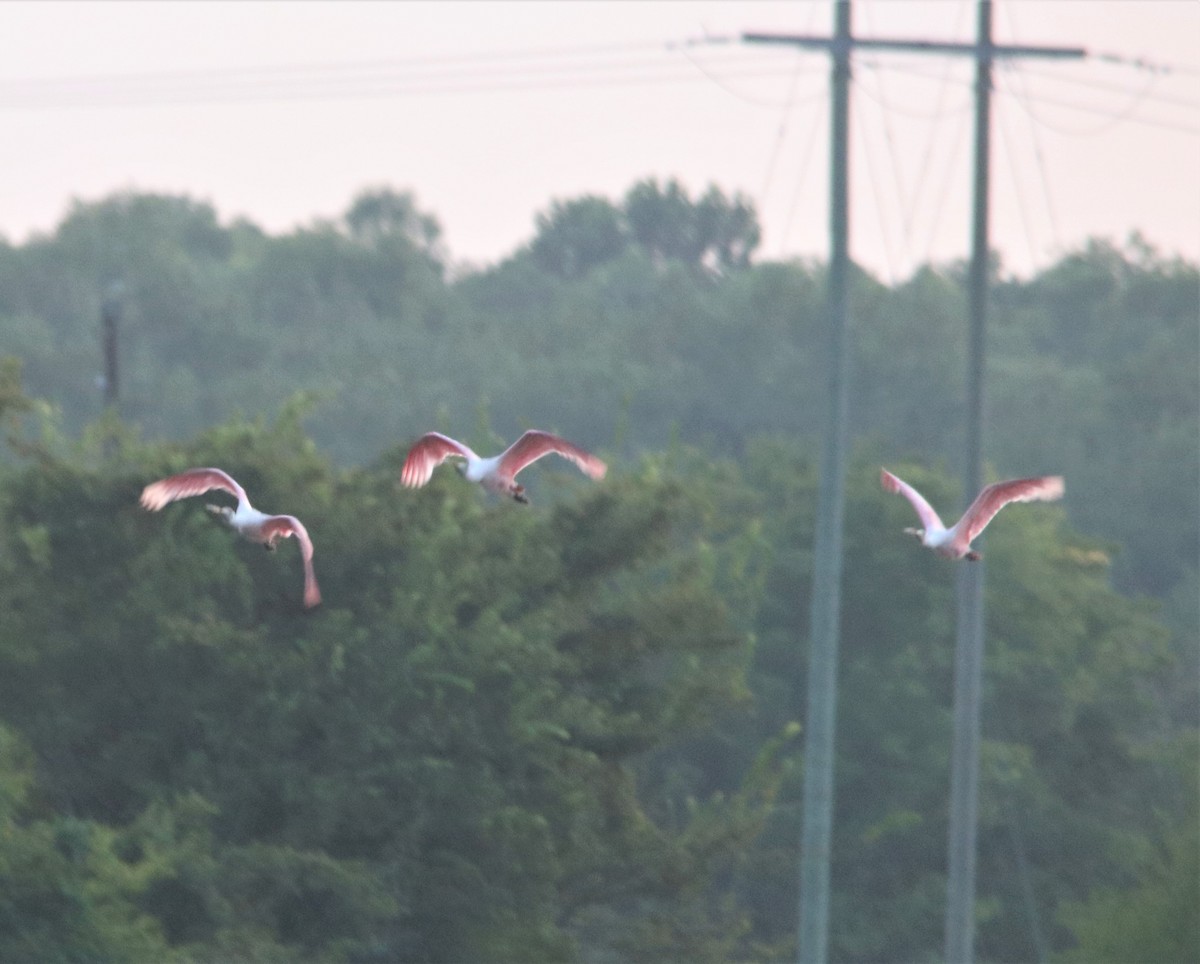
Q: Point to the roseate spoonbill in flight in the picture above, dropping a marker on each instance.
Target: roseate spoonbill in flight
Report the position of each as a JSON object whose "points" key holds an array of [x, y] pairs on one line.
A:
{"points": [[497, 473], [955, 542], [245, 520]]}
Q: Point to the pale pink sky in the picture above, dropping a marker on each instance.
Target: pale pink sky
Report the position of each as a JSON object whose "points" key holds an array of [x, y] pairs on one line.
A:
{"points": [[282, 111]]}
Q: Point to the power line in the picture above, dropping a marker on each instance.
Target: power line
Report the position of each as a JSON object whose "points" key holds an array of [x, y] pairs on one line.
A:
{"points": [[361, 91], [533, 69], [1192, 103], [939, 197], [918, 113], [1147, 93], [906, 203], [800, 181], [1105, 111], [877, 192], [440, 61], [790, 104], [1143, 94], [893, 158], [1141, 63], [910, 202], [1039, 157], [1008, 144], [894, 165], [463, 75], [1111, 116], [782, 131]]}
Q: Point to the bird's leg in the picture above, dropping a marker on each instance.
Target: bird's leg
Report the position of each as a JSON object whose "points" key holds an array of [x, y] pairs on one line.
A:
{"points": [[518, 493], [973, 556]]}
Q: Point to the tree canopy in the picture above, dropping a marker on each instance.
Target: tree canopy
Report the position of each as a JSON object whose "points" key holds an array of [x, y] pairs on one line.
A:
{"points": [[567, 731]]}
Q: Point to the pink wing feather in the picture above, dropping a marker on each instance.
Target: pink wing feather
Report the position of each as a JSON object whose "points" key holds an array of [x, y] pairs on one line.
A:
{"points": [[282, 526], [892, 483], [427, 453], [534, 444], [192, 482], [996, 496]]}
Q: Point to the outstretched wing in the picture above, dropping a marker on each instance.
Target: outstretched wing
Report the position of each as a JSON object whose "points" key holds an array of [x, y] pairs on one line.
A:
{"points": [[192, 482], [892, 483], [996, 496], [427, 453], [534, 444], [282, 526]]}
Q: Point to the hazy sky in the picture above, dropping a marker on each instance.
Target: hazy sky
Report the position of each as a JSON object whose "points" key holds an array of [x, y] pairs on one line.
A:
{"points": [[282, 111]]}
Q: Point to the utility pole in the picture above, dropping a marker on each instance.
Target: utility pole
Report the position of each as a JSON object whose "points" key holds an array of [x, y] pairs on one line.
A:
{"points": [[816, 842], [817, 831], [968, 645], [110, 381], [110, 318]]}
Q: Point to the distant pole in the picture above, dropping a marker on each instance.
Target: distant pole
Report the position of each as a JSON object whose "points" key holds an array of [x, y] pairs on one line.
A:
{"points": [[110, 318], [817, 833], [968, 652]]}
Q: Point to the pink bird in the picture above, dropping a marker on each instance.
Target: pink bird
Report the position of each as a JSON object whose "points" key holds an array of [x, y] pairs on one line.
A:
{"points": [[497, 473], [246, 520], [955, 542]]}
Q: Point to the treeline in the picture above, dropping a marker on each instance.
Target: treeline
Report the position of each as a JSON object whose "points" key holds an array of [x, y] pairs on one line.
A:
{"points": [[629, 323], [567, 732]]}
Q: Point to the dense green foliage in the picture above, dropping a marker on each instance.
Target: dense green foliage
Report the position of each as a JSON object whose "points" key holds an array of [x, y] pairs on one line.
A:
{"points": [[565, 731], [647, 335]]}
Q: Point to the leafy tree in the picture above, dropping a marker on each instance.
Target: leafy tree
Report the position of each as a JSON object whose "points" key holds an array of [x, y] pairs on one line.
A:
{"points": [[167, 683], [576, 236], [66, 892], [13, 402], [440, 764], [713, 232], [1070, 756], [1158, 919], [1114, 338], [383, 216], [1093, 362], [727, 231]]}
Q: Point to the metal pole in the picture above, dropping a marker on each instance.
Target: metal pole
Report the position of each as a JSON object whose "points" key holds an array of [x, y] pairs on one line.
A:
{"points": [[816, 837], [968, 655], [110, 317]]}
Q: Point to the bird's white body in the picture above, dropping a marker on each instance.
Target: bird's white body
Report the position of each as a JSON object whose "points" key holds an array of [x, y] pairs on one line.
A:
{"points": [[245, 520], [955, 542], [477, 468], [495, 473], [936, 537]]}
